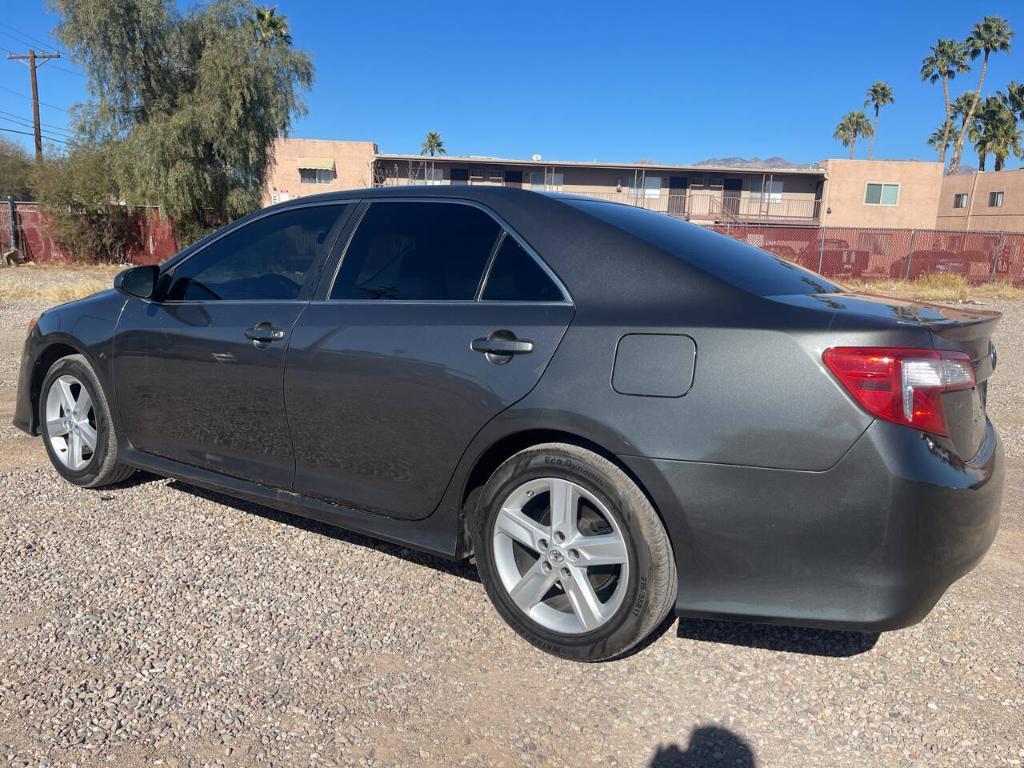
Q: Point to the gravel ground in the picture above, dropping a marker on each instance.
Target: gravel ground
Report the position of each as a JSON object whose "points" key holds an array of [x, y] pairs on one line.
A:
{"points": [[157, 624]]}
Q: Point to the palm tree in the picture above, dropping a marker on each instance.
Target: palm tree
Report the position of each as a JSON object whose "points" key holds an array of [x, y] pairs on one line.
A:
{"points": [[942, 137], [947, 59], [1014, 98], [989, 35], [270, 27], [852, 126], [879, 95], [995, 131], [433, 145]]}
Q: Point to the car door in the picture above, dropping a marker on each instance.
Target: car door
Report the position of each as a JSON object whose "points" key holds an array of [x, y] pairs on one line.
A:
{"points": [[437, 319], [198, 372]]}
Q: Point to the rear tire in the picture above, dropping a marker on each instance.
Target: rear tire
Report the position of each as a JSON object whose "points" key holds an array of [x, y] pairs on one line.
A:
{"points": [[572, 554], [77, 428]]}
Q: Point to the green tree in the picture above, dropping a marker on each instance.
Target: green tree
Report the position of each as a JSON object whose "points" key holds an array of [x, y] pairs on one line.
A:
{"points": [[433, 145], [991, 34], [1014, 99], [270, 28], [942, 137], [80, 197], [995, 132], [15, 171], [194, 102], [879, 95], [947, 59], [853, 126]]}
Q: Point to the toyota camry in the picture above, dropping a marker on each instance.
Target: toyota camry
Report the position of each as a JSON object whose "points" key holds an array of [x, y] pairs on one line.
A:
{"points": [[616, 413]]}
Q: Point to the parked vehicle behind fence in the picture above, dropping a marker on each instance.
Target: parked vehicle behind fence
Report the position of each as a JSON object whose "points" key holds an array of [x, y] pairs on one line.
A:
{"points": [[617, 413]]}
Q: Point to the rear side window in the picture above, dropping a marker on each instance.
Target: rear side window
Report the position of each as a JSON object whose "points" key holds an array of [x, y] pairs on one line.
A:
{"points": [[515, 276], [269, 259], [731, 261], [405, 251]]}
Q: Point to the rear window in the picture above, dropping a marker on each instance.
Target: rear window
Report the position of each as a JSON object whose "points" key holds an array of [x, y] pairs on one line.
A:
{"points": [[736, 263]]}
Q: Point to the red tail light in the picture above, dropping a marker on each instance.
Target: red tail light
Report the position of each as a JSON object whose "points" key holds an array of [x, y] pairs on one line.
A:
{"points": [[902, 385]]}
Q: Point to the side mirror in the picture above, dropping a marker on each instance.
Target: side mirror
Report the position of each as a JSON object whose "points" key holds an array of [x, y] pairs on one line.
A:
{"points": [[138, 281]]}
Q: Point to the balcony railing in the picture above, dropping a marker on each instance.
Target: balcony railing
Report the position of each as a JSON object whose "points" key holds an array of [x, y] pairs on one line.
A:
{"points": [[696, 205], [712, 206]]}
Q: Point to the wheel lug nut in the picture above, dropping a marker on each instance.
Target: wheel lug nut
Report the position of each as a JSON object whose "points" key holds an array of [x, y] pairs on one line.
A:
{"points": [[574, 554], [546, 567], [543, 544], [565, 573], [559, 537]]}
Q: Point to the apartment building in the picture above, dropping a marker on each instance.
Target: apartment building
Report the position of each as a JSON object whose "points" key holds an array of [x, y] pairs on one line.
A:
{"points": [[983, 202], [848, 193]]}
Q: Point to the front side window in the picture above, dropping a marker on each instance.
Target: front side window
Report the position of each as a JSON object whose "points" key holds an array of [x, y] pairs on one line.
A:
{"points": [[995, 199], [406, 251], [960, 200], [881, 194], [515, 276], [268, 259]]}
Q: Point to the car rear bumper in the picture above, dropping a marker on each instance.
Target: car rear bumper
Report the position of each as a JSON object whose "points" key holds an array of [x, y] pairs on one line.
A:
{"points": [[870, 544]]}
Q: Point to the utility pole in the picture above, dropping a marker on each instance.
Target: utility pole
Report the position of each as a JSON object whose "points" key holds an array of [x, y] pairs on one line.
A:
{"points": [[33, 58]]}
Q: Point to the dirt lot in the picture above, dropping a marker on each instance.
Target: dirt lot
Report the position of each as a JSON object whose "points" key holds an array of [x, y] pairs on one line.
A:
{"points": [[156, 624]]}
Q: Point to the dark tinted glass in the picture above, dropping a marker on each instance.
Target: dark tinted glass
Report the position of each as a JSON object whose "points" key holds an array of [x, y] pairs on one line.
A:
{"points": [[739, 264], [417, 251], [269, 259], [515, 276]]}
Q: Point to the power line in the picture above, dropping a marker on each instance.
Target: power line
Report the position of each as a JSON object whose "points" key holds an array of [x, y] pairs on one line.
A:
{"points": [[29, 98], [33, 60], [30, 133], [27, 38], [52, 66], [46, 126]]}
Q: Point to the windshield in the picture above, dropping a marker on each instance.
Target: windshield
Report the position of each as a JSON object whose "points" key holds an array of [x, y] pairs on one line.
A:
{"points": [[738, 264]]}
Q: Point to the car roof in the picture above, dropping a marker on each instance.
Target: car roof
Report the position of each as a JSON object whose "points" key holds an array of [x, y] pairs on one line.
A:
{"points": [[599, 263]]}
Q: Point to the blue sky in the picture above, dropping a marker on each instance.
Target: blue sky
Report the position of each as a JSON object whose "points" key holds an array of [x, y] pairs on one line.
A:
{"points": [[670, 81]]}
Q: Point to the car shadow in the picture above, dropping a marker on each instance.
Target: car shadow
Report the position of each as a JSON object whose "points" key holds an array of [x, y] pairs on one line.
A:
{"points": [[709, 745], [816, 642], [772, 637], [463, 569]]}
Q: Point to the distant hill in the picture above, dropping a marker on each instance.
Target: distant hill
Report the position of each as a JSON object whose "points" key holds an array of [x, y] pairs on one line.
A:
{"points": [[754, 162]]}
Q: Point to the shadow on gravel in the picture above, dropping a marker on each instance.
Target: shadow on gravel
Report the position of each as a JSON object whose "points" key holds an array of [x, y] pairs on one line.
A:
{"points": [[815, 642], [461, 569], [709, 745]]}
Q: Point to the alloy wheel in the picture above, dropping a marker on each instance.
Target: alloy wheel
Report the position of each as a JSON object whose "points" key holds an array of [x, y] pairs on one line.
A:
{"points": [[561, 555], [71, 422]]}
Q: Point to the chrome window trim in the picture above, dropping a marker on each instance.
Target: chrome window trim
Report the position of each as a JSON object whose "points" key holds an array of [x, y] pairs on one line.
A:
{"points": [[507, 231]]}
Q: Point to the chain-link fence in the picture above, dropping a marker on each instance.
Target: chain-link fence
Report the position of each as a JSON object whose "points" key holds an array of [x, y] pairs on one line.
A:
{"points": [[891, 254]]}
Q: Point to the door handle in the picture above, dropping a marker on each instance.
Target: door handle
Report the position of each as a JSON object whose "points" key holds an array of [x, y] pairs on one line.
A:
{"points": [[500, 346], [263, 333]]}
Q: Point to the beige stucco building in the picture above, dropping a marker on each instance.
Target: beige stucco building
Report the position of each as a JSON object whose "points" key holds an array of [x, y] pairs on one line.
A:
{"points": [[309, 166], [894, 194], [839, 193], [988, 202]]}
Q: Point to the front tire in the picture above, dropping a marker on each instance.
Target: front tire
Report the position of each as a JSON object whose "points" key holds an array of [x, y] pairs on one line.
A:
{"points": [[572, 554], [76, 425]]}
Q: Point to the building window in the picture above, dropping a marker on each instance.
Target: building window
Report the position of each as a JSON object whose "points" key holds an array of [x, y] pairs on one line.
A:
{"points": [[995, 199], [316, 176], [547, 181], [881, 194], [458, 176], [773, 190], [960, 200], [651, 187]]}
